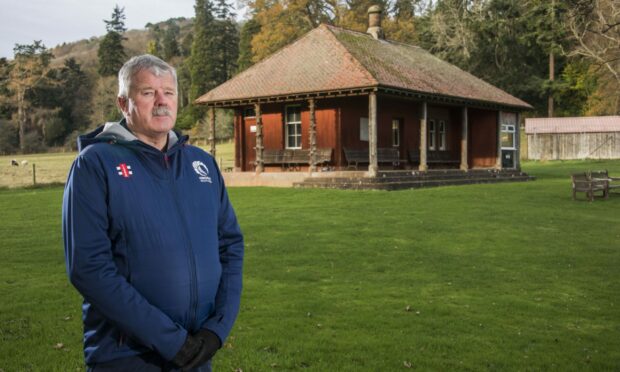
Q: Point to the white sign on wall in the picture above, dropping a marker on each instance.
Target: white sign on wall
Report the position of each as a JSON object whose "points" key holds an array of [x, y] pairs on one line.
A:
{"points": [[252, 128], [363, 129]]}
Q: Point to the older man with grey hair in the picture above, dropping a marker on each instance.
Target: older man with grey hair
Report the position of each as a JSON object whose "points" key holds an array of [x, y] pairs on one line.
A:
{"points": [[152, 242]]}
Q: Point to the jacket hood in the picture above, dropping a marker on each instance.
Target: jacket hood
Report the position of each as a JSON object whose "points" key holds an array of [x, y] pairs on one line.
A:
{"points": [[116, 131]]}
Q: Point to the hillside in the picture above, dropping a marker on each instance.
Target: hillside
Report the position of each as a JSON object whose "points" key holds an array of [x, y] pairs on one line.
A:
{"points": [[85, 51]]}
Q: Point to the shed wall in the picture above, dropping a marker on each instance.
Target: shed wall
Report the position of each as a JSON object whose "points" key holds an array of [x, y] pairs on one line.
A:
{"points": [[567, 146]]}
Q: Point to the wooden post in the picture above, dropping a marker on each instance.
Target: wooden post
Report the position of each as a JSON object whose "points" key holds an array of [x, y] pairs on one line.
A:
{"points": [[34, 174], [259, 139], [464, 132], [423, 138], [518, 143], [373, 165], [311, 105], [212, 130], [498, 161], [238, 129]]}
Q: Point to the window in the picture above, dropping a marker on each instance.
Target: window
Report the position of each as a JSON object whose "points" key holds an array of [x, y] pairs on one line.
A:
{"points": [[508, 139], [364, 129], [395, 132], [293, 127], [442, 135], [248, 112], [508, 136], [431, 134], [508, 121]]}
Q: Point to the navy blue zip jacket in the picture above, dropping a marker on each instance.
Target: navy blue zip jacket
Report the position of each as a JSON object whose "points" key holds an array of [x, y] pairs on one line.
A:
{"points": [[151, 242]]}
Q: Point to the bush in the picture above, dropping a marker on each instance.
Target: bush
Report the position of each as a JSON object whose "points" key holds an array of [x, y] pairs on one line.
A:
{"points": [[9, 137], [33, 143], [55, 130], [71, 141]]}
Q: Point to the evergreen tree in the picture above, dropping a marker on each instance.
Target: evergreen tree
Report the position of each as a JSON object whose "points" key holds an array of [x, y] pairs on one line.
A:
{"points": [[170, 46], [200, 64], [225, 43], [399, 22], [69, 97], [546, 18], [117, 22], [6, 103], [248, 30], [403, 9], [9, 133], [186, 45], [154, 46], [111, 53]]}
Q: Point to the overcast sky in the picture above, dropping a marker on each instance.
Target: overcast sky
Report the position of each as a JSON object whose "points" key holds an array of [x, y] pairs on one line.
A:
{"points": [[58, 21]]}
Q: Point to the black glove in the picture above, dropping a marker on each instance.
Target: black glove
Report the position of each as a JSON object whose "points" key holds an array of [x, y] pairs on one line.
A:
{"points": [[191, 347], [209, 345]]}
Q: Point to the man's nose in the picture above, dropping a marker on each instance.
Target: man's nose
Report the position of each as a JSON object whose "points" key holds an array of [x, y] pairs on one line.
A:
{"points": [[160, 98]]}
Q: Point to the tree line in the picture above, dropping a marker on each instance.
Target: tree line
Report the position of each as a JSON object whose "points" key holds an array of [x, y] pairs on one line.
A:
{"points": [[561, 56]]}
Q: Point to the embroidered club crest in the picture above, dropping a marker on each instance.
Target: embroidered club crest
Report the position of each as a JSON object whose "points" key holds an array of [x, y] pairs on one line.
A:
{"points": [[124, 170], [202, 171]]}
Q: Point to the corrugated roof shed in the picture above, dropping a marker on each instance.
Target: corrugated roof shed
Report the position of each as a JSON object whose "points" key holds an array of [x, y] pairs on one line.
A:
{"points": [[589, 124], [329, 58]]}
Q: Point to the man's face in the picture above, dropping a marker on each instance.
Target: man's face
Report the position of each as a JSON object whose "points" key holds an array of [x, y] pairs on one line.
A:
{"points": [[151, 109]]}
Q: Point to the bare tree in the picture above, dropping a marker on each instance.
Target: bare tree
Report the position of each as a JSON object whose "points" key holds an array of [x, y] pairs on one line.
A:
{"points": [[595, 26]]}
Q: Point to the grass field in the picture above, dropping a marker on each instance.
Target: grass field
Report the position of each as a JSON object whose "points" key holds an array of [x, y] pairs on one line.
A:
{"points": [[484, 277], [54, 167]]}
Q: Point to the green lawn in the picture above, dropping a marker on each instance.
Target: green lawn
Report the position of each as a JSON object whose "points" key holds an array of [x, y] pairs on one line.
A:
{"points": [[482, 277]]}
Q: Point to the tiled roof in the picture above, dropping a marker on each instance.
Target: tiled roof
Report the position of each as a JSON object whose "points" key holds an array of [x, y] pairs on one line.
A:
{"points": [[589, 124], [315, 62], [329, 58]]}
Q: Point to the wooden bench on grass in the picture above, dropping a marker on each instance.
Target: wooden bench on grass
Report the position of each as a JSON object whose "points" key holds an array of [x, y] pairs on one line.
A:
{"points": [[613, 183], [293, 158], [582, 182], [433, 157], [354, 157]]}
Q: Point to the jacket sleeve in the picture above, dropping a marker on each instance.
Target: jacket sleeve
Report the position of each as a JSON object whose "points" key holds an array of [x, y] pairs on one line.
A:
{"points": [[91, 267], [231, 248]]}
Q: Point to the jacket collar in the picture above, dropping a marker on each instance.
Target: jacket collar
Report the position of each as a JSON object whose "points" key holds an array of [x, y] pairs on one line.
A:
{"points": [[119, 132]]}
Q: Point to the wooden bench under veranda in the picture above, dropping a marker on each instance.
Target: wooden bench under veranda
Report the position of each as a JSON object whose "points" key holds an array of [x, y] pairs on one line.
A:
{"points": [[433, 157], [385, 155], [294, 158]]}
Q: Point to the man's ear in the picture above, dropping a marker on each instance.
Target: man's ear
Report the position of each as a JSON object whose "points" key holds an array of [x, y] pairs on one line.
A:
{"points": [[123, 105]]}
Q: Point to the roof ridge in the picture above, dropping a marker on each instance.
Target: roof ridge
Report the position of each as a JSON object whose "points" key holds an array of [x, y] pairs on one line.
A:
{"points": [[360, 65], [391, 41]]}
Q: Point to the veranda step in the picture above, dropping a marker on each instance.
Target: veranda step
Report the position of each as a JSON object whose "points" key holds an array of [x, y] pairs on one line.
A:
{"points": [[372, 184]]}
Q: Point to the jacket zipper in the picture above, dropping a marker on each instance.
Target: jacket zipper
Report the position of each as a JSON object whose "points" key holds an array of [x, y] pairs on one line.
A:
{"points": [[166, 161], [190, 252]]}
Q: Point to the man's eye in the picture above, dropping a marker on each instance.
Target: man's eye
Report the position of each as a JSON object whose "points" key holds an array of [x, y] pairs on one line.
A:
{"points": [[170, 93], [147, 93]]}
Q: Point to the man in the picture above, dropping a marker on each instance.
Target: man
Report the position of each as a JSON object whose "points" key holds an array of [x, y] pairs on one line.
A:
{"points": [[151, 240]]}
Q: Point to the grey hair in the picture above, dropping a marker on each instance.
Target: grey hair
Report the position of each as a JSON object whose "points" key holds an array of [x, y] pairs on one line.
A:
{"points": [[138, 63]]}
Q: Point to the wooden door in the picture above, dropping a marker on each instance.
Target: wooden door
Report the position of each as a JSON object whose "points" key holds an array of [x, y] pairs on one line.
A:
{"points": [[249, 144]]}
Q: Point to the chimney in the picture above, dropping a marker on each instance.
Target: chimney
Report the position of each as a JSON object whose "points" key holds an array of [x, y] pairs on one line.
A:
{"points": [[374, 22]]}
